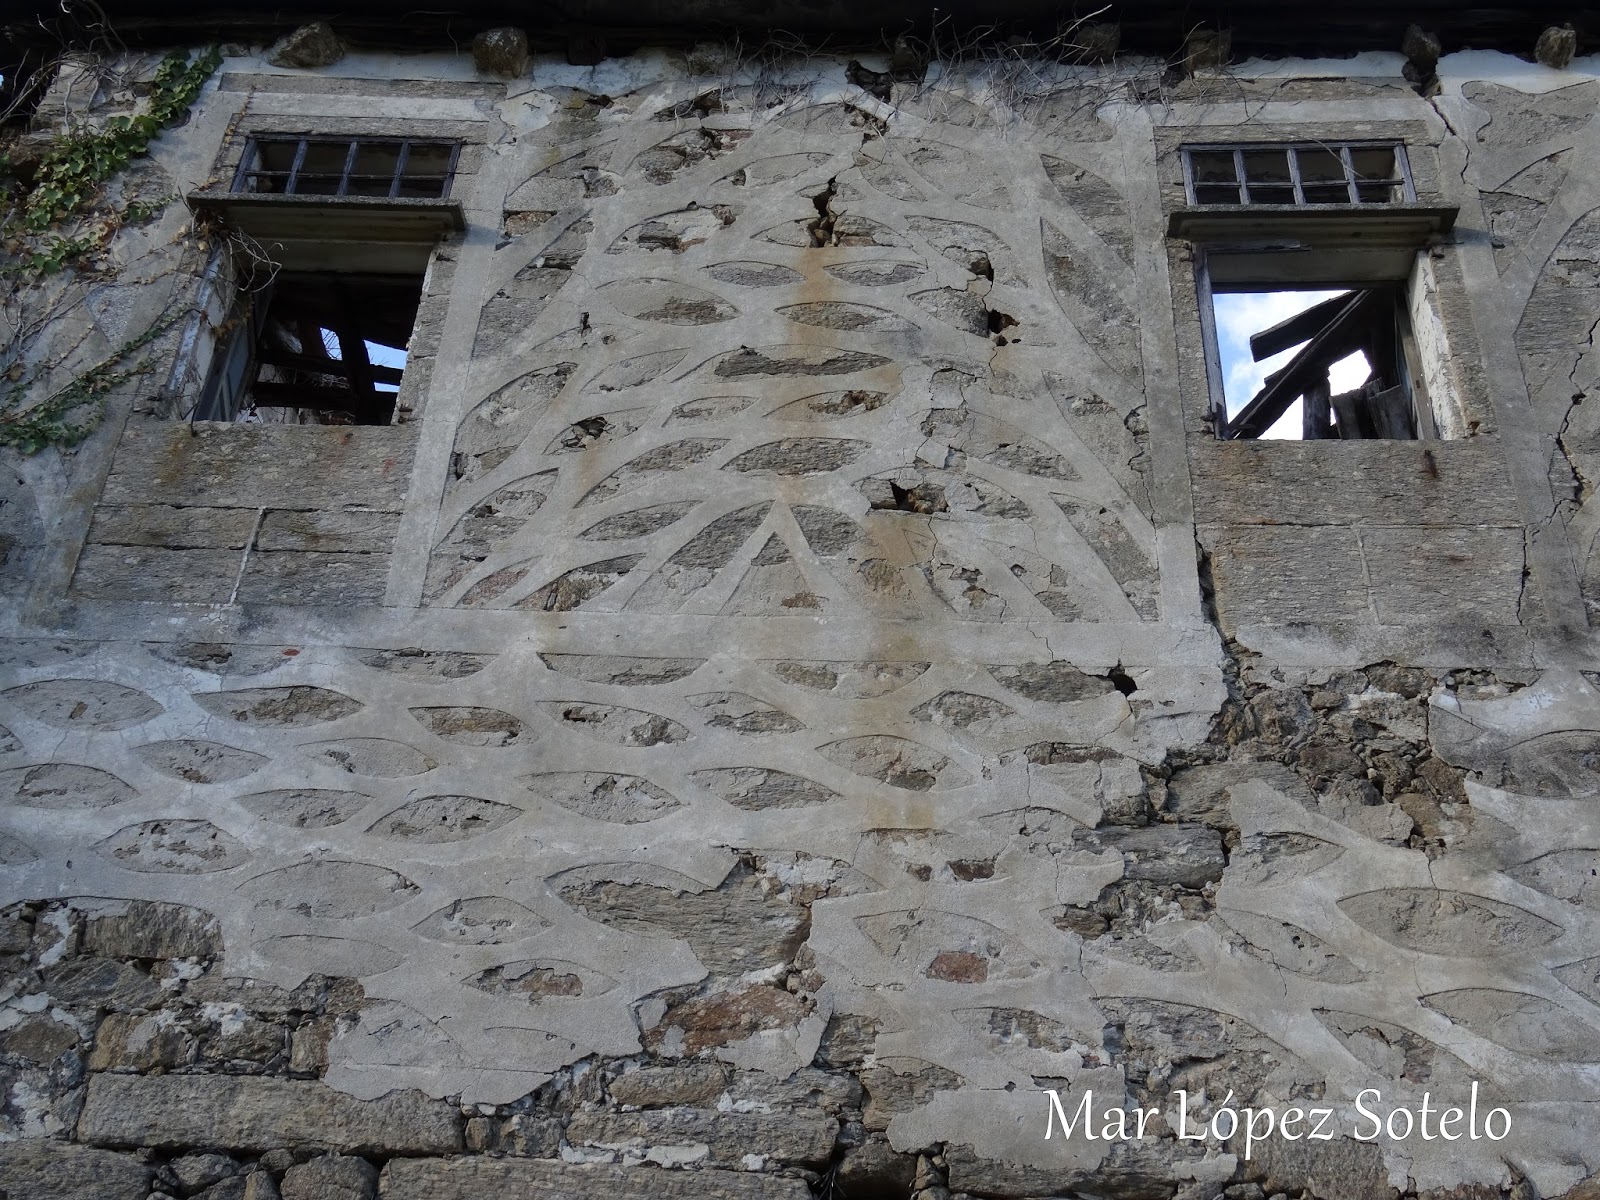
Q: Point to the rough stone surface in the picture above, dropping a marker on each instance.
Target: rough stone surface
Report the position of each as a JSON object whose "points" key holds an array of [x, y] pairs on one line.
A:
{"points": [[308, 47], [467, 1179], [801, 676], [501, 51], [57, 1171], [256, 1115]]}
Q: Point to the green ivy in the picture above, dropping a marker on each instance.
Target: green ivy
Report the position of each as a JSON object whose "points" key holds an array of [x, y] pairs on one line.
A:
{"points": [[77, 163], [69, 415], [66, 181]]}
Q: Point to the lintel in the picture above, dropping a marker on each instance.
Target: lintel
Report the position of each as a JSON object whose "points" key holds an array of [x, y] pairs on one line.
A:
{"points": [[1313, 226], [372, 219]]}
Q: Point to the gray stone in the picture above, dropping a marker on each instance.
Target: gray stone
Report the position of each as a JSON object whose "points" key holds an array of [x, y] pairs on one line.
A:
{"points": [[1188, 855], [196, 1171], [797, 1140], [332, 1177], [151, 929], [172, 527], [324, 468], [474, 1178], [1556, 46], [339, 531], [253, 1115], [48, 1170], [308, 47], [501, 51], [698, 1084], [530, 1137], [875, 1169], [314, 578]]}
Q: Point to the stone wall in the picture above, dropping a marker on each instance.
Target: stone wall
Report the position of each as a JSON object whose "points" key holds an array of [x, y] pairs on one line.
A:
{"points": [[806, 680]]}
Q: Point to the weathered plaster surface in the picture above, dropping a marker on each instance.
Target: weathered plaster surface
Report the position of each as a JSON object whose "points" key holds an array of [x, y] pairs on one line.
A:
{"points": [[805, 679]]}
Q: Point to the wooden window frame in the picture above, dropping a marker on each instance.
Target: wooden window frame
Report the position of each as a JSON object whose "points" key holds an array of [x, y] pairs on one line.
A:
{"points": [[1292, 151], [249, 169]]}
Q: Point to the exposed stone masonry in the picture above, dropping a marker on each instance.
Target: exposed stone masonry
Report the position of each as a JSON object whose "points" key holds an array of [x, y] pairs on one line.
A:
{"points": [[804, 678]]}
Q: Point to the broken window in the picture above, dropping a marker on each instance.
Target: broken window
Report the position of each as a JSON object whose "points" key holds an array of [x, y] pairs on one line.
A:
{"points": [[1360, 173], [1315, 290], [345, 229], [1318, 364], [325, 166], [325, 348]]}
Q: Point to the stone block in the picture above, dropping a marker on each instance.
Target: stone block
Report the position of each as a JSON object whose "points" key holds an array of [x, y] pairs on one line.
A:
{"points": [[530, 1137], [1342, 1169], [254, 1115], [196, 1171], [530, 1179], [1186, 855], [304, 578], [502, 51], [44, 1170], [1556, 46], [653, 1087], [155, 573], [308, 47], [149, 929], [727, 1137], [185, 528], [332, 1177], [320, 467], [1469, 574], [1271, 574], [1348, 483], [874, 1169], [339, 531]]}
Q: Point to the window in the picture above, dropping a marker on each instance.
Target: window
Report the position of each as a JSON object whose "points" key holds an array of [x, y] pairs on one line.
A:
{"points": [[323, 166], [1358, 173], [1342, 364], [331, 347], [349, 226], [1311, 282]]}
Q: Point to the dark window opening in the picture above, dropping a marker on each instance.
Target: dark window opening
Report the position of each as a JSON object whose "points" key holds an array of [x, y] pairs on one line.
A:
{"points": [[1355, 173], [323, 348], [1317, 365], [393, 168]]}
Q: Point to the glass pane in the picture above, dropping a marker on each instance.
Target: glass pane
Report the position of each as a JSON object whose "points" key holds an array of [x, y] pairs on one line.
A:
{"points": [[1322, 175], [428, 158], [375, 166], [1377, 175], [325, 158], [430, 188], [259, 182], [369, 185], [316, 185], [1216, 193], [1267, 172], [275, 156], [426, 168], [1214, 178]]}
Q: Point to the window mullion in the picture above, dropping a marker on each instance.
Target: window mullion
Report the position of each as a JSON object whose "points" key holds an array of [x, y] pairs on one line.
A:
{"points": [[399, 168], [294, 169], [1294, 175]]}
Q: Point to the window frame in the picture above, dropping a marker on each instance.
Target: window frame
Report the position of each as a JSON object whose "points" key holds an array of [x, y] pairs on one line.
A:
{"points": [[249, 168], [1292, 151], [1408, 356]]}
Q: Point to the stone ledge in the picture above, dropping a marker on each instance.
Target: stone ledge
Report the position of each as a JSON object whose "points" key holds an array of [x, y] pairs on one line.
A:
{"points": [[254, 1115], [44, 1170], [533, 1179]]}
